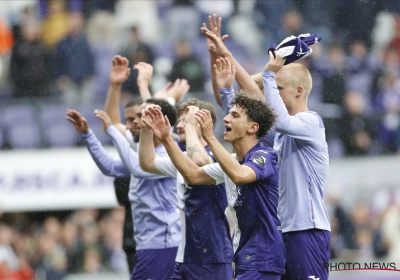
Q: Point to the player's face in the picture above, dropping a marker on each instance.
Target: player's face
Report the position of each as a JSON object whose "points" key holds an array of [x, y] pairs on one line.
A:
{"points": [[180, 128], [236, 125], [286, 90], [130, 116]]}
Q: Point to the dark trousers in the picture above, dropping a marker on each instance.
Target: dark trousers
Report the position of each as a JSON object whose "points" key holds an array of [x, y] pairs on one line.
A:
{"points": [[121, 186]]}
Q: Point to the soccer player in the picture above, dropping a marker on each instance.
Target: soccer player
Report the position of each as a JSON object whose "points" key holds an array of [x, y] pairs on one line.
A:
{"points": [[153, 198], [251, 181], [299, 140], [205, 251], [173, 92]]}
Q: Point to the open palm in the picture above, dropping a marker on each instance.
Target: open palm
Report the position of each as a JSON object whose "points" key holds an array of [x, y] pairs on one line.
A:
{"points": [[224, 73], [120, 71]]}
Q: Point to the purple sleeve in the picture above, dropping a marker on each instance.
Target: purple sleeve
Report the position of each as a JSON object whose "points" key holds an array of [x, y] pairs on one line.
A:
{"points": [[261, 162]]}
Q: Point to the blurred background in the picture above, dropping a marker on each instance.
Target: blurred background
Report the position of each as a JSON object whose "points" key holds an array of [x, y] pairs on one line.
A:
{"points": [[59, 218]]}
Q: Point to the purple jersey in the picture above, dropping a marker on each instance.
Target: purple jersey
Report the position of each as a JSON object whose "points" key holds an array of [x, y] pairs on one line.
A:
{"points": [[260, 245], [205, 229]]}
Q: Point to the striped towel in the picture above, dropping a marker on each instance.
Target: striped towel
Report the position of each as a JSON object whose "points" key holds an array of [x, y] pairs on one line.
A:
{"points": [[295, 48]]}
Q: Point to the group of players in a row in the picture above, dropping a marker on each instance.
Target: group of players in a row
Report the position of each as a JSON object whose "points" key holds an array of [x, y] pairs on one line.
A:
{"points": [[208, 214]]}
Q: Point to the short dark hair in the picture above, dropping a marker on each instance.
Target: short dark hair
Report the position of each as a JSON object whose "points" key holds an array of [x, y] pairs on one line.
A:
{"points": [[166, 108], [257, 110], [134, 102], [202, 105]]}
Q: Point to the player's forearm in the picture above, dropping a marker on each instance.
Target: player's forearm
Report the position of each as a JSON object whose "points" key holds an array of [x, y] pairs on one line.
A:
{"points": [[129, 157], [112, 103], [144, 92], [194, 148], [147, 153], [217, 96], [273, 98], [243, 78], [229, 164], [184, 164], [107, 164]]}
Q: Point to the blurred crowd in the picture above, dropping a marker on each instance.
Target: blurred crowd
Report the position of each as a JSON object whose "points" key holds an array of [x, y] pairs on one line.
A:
{"points": [[50, 247], [60, 51], [366, 230]]}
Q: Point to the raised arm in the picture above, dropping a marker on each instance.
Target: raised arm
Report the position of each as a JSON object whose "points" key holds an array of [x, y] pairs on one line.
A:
{"points": [[242, 77], [215, 27], [118, 75], [160, 126], [106, 163], [304, 124], [195, 150], [173, 92], [145, 73], [147, 155], [224, 74], [129, 157]]}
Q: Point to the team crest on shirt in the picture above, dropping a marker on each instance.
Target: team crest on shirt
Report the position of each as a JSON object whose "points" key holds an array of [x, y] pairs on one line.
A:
{"points": [[259, 160]]}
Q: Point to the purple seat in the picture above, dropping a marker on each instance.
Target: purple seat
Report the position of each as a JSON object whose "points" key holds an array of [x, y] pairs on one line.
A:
{"points": [[103, 55], [17, 114], [60, 134], [87, 111], [53, 113], [164, 49], [24, 136]]}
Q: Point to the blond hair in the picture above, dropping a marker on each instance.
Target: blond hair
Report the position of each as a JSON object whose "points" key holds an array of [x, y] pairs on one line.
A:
{"points": [[259, 80], [300, 76]]}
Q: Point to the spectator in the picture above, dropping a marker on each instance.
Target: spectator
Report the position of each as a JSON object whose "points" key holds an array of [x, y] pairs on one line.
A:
{"points": [[356, 130], [55, 25], [74, 65], [362, 67], [135, 51], [187, 67], [334, 73], [29, 69]]}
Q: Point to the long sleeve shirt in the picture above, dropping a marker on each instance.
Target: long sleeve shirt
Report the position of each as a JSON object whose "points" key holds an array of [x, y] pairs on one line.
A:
{"points": [[153, 198]]}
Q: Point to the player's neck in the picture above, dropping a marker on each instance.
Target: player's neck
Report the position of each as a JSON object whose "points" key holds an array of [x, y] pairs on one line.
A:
{"points": [[298, 109], [242, 146]]}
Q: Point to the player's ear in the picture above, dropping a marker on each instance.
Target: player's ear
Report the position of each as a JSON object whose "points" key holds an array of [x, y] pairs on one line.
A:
{"points": [[253, 128], [299, 91]]}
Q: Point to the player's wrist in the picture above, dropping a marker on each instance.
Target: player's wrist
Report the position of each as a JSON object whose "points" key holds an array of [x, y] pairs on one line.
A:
{"points": [[114, 84], [144, 83]]}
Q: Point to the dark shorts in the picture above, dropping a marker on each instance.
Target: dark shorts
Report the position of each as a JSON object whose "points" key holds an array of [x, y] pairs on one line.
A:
{"points": [[307, 252], [154, 264], [188, 271]]}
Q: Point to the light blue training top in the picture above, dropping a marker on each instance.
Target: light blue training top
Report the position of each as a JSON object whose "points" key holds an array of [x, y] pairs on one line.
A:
{"points": [[153, 197]]}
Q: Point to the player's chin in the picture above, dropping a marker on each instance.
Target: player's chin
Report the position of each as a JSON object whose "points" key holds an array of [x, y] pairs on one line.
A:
{"points": [[226, 136], [135, 131], [182, 139]]}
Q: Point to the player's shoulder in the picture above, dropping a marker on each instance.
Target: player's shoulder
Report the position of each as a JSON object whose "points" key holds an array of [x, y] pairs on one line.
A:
{"points": [[313, 118], [262, 154]]}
